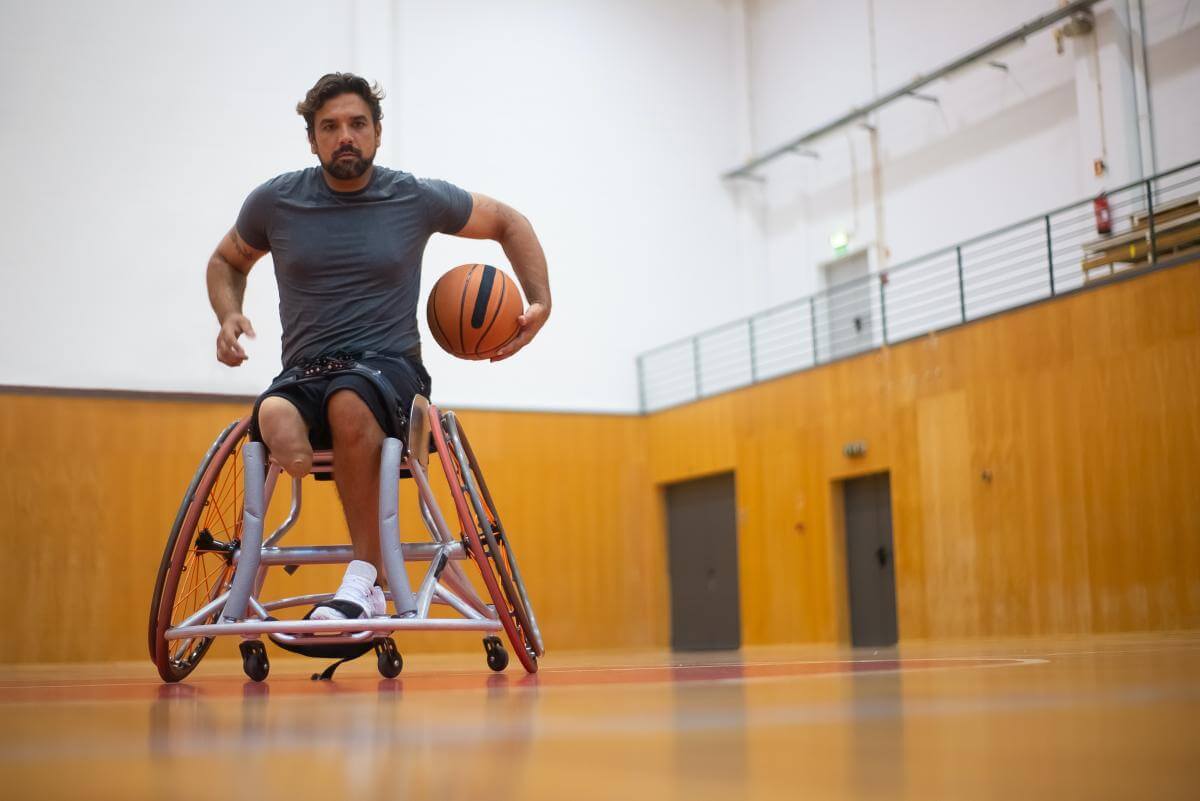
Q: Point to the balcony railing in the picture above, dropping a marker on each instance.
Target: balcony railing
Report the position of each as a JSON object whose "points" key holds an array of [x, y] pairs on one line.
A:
{"points": [[1052, 254]]}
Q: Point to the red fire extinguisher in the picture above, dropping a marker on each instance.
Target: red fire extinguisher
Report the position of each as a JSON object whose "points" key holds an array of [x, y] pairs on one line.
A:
{"points": [[1103, 215]]}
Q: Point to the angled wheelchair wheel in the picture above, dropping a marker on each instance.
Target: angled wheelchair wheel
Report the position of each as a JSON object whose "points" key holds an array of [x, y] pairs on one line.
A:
{"points": [[487, 540], [197, 563]]}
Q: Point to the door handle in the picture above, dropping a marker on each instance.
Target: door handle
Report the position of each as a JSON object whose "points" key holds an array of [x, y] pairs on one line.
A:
{"points": [[881, 554]]}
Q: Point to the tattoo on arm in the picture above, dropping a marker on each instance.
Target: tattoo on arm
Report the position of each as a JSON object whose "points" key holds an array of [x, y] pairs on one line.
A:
{"points": [[241, 247]]}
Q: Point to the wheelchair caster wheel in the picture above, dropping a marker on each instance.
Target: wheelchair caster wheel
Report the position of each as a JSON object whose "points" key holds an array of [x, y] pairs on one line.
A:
{"points": [[254, 660], [497, 657], [388, 658]]}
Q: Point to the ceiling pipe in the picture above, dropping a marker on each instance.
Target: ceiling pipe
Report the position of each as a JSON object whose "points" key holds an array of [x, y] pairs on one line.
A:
{"points": [[860, 112]]}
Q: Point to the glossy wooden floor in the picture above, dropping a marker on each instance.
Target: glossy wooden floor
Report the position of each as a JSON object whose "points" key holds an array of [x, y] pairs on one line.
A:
{"points": [[1113, 717]]}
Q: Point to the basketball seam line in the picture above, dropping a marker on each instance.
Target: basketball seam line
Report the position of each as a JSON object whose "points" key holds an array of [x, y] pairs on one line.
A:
{"points": [[510, 339], [443, 339], [462, 304]]}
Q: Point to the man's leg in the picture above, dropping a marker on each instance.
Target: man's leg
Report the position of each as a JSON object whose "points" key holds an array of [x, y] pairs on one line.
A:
{"points": [[357, 443], [285, 435]]}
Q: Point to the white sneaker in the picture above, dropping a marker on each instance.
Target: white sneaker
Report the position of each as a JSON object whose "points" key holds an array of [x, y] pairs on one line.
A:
{"points": [[378, 602], [356, 598]]}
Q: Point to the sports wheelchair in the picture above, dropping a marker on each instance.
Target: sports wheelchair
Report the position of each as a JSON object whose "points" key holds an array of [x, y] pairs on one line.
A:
{"points": [[216, 559]]}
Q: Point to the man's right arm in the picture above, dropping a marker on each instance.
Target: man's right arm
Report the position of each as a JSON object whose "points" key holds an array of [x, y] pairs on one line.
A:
{"points": [[227, 270]]}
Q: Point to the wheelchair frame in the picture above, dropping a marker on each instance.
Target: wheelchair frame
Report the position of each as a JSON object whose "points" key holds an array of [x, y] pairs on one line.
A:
{"points": [[232, 605]]}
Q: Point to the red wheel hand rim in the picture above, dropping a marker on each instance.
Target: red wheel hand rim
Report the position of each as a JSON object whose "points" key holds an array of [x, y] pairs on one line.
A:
{"points": [[468, 523]]}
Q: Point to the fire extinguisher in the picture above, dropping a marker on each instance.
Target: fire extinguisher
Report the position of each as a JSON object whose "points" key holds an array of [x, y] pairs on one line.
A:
{"points": [[1103, 215]]}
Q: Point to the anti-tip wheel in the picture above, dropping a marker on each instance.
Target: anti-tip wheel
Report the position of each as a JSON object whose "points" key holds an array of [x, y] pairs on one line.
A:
{"points": [[497, 657], [388, 658], [254, 660]]}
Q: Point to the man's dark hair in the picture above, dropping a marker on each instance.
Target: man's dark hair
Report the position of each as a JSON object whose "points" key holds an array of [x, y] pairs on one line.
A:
{"points": [[339, 83]]}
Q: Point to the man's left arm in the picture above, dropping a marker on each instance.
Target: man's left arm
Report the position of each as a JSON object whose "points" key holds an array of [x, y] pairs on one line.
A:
{"points": [[491, 219]]}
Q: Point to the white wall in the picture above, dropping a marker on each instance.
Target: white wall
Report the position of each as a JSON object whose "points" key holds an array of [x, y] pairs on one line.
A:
{"points": [[1173, 28], [997, 147], [135, 130]]}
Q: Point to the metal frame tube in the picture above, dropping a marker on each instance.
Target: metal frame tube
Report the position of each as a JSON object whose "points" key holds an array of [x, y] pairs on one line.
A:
{"points": [[389, 527], [342, 554], [293, 516], [425, 593], [378, 624], [459, 605], [453, 575], [205, 611], [254, 460]]}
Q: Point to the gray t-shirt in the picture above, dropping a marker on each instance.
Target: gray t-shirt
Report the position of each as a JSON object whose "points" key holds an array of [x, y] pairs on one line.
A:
{"points": [[348, 264]]}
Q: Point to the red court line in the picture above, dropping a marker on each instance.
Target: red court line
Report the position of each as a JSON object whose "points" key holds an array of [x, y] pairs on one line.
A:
{"points": [[298, 683]]}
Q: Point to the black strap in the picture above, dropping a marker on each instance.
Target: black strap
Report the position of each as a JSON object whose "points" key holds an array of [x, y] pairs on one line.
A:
{"points": [[330, 367], [327, 673], [349, 609]]}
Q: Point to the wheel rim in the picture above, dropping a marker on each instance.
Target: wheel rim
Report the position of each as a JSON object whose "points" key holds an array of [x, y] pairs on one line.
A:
{"points": [[453, 470], [196, 575], [501, 552]]}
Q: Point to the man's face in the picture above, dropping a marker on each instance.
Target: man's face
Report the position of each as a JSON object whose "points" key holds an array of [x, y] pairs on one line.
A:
{"points": [[344, 138]]}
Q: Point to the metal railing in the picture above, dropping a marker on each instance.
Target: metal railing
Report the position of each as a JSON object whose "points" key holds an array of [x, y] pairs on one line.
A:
{"points": [[1031, 260]]}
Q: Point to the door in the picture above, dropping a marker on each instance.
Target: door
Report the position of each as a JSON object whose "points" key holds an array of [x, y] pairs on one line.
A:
{"points": [[847, 305], [703, 563], [869, 564]]}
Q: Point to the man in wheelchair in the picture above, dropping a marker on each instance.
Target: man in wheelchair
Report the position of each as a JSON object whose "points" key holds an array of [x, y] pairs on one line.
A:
{"points": [[346, 238]]}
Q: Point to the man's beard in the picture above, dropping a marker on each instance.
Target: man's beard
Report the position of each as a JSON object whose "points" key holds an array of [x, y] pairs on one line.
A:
{"points": [[347, 169]]}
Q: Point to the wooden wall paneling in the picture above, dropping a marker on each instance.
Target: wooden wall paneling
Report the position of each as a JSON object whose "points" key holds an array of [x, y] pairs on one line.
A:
{"points": [[85, 513], [953, 575], [693, 440], [1085, 410], [912, 592], [88, 490], [1180, 368], [772, 536]]}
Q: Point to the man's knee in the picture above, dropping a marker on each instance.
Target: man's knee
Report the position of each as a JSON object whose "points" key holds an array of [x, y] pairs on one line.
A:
{"points": [[351, 420], [286, 435]]}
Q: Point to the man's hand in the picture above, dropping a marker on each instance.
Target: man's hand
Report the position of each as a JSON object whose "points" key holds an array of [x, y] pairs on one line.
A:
{"points": [[229, 350], [226, 277], [531, 322]]}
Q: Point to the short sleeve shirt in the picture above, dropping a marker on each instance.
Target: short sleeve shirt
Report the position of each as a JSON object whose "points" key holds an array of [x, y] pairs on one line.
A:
{"points": [[348, 264]]}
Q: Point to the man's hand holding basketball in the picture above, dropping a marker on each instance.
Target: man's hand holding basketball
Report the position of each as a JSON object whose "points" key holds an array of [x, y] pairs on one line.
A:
{"points": [[531, 322], [229, 350], [491, 219]]}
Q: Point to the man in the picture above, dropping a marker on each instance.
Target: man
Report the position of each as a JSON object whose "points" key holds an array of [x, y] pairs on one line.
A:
{"points": [[347, 239]]}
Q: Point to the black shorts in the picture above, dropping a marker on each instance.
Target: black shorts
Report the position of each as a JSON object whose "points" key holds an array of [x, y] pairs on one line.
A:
{"points": [[404, 376]]}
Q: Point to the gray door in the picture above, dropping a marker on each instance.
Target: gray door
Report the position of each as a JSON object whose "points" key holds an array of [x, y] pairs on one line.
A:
{"points": [[702, 541], [872, 577]]}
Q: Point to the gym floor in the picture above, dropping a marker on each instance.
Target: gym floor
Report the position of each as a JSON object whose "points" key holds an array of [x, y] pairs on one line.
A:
{"points": [[1103, 717]]}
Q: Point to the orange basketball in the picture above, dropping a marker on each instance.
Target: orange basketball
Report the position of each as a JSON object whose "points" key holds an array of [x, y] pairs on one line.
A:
{"points": [[473, 311]]}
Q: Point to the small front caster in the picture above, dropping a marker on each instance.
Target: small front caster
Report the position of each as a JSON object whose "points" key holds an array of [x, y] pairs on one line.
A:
{"points": [[254, 660], [497, 657], [388, 658]]}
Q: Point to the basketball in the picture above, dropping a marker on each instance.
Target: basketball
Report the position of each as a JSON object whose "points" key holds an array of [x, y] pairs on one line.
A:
{"points": [[473, 311]]}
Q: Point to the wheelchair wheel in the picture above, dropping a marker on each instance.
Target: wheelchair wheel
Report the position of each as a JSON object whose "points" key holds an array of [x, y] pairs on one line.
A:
{"points": [[487, 541], [197, 563]]}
